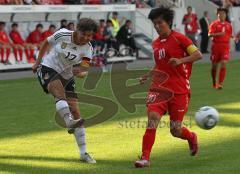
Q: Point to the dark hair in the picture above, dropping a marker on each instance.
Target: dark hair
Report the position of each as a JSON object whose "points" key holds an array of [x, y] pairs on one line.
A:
{"points": [[14, 25], [39, 26], [165, 13], [70, 23], [115, 13], [101, 20], [52, 26], [63, 20], [189, 7], [2, 23], [224, 10], [109, 21], [128, 21], [87, 24]]}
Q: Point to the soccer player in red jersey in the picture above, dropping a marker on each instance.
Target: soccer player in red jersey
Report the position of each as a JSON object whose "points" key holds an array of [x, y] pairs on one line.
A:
{"points": [[19, 44], [35, 38], [174, 54], [221, 33], [5, 44], [49, 32], [190, 21]]}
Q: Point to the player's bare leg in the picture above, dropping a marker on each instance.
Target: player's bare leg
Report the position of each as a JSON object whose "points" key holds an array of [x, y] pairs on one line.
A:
{"points": [[148, 140], [56, 88], [79, 132], [214, 75], [177, 130], [222, 73]]}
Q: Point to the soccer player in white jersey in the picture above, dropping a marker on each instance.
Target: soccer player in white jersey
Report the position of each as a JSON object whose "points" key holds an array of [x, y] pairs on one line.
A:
{"points": [[55, 70]]}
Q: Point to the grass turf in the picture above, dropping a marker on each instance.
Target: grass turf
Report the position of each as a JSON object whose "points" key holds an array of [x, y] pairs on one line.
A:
{"points": [[31, 143]]}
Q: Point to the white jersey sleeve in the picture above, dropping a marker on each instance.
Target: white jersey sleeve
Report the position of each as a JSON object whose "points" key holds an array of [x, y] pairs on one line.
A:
{"points": [[89, 51], [59, 36]]}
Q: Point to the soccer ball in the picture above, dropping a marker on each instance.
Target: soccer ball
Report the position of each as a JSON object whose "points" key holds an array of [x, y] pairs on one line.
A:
{"points": [[207, 117]]}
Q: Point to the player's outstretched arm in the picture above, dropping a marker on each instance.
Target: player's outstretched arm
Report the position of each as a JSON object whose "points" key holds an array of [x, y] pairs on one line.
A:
{"points": [[42, 51]]}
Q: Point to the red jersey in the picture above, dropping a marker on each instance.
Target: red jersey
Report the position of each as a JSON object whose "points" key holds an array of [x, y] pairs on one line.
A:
{"points": [[46, 34], [176, 45], [35, 37], [4, 37], [99, 35], [16, 37], [192, 25], [217, 27]]}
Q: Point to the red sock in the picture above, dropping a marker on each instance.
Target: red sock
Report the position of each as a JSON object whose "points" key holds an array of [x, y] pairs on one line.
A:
{"points": [[186, 134], [222, 75], [27, 53], [2, 54], [214, 73], [147, 143], [31, 53], [8, 51], [15, 52], [20, 51]]}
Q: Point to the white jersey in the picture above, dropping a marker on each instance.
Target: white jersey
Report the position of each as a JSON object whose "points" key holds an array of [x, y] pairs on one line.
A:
{"points": [[64, 53]]}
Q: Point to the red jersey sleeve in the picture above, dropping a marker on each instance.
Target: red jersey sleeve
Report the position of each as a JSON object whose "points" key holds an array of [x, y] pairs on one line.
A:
{"points": [[212, 28]]}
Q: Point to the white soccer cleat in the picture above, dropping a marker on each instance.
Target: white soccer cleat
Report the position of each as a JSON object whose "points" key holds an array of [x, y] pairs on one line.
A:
{"points": [[142, 163], [71, 123], [87, 158]]}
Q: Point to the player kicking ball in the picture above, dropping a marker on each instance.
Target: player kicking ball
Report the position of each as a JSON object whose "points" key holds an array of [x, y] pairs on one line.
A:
{"points": [[174, 54], [56, 71], [221, 32]]}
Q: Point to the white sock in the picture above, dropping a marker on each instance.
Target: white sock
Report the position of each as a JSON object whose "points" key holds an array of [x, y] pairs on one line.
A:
{"points": [[79, 134], [63, 110]]}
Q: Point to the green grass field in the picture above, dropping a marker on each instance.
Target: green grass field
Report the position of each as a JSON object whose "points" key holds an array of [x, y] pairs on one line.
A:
{"points": [[31, 142]]}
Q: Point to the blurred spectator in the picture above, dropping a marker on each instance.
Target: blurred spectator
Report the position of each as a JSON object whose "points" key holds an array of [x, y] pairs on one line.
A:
{"points": [[18, 2], [5, 45], [19, 44], [116, 23], [63, 23], [99, 39], [35, 38], [71, 26], [109, 36], [125, 35], [51, 30], [191, 25], [204, 23]]}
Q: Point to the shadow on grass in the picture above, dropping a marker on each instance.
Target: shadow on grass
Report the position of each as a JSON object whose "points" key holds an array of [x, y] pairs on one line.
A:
{"points": [[220, 157]]}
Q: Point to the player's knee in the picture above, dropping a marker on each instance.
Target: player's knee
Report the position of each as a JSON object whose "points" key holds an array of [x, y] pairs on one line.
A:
{"points": [[153, 119]]}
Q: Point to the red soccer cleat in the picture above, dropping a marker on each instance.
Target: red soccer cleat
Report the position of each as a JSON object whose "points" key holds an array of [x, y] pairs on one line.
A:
{"points": [[193, 145]]}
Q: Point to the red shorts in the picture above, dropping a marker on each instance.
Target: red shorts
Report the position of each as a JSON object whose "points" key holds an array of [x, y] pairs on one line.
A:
{"points": [[220, 52], [176, 107]]}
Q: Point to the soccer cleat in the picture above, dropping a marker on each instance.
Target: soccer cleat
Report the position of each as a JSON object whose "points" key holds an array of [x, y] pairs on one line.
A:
{"points": [[215, 86], [71, 130], [71, 123], [220, 86], [141, 163], [87, 158], [193, 145]]}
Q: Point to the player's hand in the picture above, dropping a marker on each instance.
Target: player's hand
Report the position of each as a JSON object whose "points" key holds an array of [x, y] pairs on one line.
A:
{"points": [[175, 61], [143, 79], [34, 67]]}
